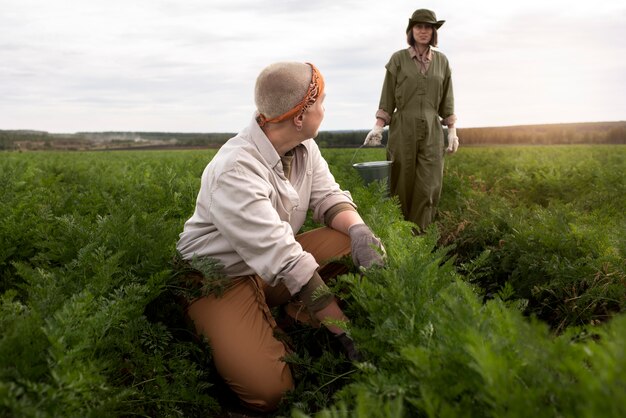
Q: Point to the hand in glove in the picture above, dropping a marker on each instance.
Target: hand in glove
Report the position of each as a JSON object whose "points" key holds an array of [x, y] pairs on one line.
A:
{"points": [[348, 347], [374, 137], [453, 141], [367, 250], [321, 304]]}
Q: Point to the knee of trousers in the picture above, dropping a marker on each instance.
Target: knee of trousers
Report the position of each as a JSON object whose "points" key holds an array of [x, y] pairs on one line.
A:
{"points": [[266, 395]]}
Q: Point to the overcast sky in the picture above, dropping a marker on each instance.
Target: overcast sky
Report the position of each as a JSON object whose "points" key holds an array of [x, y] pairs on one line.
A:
{"points": [[190, 65]]}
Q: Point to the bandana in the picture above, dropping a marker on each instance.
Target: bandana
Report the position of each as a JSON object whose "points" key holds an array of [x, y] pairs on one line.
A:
{"points": [[315, 90]]}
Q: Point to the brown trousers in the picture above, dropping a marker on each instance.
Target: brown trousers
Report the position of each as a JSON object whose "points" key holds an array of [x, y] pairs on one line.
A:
{"points": [[240, 327]]}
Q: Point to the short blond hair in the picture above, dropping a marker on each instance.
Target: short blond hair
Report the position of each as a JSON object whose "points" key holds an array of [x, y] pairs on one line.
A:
{"points": [[281, 86]]}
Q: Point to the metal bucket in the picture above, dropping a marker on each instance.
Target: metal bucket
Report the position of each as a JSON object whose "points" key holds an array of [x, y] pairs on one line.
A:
{"points": [[374, 171]]}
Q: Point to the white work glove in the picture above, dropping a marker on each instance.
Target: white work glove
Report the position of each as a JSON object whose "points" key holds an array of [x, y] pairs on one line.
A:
{"points": [[453, 141], [374, 136], [367, 249]]}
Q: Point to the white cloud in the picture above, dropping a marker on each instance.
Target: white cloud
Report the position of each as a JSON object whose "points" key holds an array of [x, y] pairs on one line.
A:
{"points": [[190, 66]]}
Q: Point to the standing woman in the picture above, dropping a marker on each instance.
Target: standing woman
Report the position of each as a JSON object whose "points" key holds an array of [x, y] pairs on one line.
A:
{"points": [[415, 102]]}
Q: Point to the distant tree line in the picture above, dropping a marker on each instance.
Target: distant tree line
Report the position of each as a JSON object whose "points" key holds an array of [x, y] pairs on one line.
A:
{"points": [[570, 133], [11, 140], [178, 138]]}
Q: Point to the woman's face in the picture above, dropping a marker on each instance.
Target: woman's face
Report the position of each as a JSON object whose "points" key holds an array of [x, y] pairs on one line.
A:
{"points": [[313, 118], [422, 33]]}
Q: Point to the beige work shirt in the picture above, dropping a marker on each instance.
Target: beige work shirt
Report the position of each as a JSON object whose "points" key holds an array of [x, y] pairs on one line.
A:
{"points": [[248, 213]]}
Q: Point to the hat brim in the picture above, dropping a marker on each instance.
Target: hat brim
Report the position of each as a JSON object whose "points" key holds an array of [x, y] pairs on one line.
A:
{"points": [[436, 24]]}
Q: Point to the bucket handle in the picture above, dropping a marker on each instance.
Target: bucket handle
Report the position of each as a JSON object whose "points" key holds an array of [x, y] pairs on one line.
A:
{"points": [[355, 152], [354, 155]]}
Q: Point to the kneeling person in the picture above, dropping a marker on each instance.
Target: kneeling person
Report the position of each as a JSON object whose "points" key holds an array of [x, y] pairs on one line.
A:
{"points": [[253, 200]]}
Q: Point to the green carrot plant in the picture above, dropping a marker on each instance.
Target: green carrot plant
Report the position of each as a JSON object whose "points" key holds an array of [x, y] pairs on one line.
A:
{"points": [[512, 304], [435, 348]]}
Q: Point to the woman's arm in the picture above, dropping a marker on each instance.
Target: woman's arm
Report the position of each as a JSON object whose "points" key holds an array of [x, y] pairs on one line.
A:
{"points": [[345, 219]]}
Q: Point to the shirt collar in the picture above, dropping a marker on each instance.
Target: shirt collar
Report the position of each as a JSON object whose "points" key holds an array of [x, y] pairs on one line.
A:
{"points": [[263, 144], [413, 52]]}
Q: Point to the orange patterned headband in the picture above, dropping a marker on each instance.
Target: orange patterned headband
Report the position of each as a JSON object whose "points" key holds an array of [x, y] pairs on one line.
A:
{"points": [[315, 90]]}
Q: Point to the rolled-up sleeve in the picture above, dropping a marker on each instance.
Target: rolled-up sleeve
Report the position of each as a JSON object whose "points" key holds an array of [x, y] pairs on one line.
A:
{"points": [[387, 104], [242, 212]]}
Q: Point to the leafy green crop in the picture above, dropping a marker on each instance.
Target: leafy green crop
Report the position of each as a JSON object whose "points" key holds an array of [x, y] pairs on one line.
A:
{"points": [[547, 220], [87, 244], [459, 323]]}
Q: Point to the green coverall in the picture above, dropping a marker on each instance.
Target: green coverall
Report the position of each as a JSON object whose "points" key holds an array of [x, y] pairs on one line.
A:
{"points": [[416, 102]]}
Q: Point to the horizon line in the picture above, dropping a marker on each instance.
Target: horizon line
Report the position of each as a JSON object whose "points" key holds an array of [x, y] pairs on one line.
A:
{"points": [[323, 130]]}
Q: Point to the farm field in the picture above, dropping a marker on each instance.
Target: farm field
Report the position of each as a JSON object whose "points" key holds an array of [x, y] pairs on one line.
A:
{"points": [[511, 305]]}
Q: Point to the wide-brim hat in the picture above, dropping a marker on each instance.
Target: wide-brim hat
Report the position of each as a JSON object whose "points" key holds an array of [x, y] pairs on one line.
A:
{"points": [[424, 16]]}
